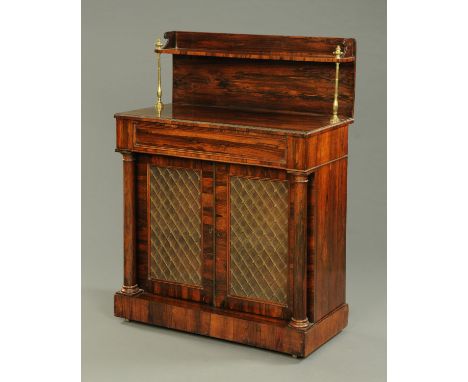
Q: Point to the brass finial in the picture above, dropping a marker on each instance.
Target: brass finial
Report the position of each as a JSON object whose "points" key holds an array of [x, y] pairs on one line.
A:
{"points": [[158, 44], [159, 105], [338, 53]]}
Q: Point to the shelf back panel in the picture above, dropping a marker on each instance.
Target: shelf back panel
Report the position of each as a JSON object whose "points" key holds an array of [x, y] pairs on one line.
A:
{"points": [[306, 87]]}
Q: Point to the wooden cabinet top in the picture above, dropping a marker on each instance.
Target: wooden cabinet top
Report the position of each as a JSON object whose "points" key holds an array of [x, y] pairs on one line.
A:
{"points": [[299, 124]]}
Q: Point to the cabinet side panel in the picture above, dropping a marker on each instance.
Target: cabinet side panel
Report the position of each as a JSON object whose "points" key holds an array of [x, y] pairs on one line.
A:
{"points": [[327, 146], [327, 239]]}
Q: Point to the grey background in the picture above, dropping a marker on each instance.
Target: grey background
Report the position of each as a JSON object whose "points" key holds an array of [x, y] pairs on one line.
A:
{"points": [[118, 74]]}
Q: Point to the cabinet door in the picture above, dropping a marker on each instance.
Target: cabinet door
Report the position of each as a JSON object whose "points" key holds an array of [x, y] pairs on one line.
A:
{"points": [[252, 258], [180, 221]]}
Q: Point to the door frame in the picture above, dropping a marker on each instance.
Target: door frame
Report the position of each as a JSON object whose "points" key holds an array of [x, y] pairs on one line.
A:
{"points": [[223, 298], [166, 288]]}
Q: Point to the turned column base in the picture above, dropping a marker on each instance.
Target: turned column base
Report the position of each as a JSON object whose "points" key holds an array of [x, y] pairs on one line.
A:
{"points": [[131, 290], [299, 324]]}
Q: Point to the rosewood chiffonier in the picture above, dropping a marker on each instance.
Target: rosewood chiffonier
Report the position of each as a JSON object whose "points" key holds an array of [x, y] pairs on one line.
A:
{"points": [[235, 194]]}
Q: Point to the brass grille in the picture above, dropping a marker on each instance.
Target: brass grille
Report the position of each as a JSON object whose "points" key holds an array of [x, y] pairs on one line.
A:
{"points": [[259, 239], [175, 220]]}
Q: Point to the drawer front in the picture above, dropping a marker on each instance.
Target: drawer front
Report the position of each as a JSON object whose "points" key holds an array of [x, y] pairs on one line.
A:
{"points": [[209, 143]]}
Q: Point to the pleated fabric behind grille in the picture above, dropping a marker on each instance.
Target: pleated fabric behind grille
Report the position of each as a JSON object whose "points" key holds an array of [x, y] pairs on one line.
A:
{"points": [[259, 239], [175, 220]]}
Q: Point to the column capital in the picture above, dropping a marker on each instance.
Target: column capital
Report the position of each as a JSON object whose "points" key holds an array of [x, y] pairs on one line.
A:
{"points": [[127, 156], [298, 177]]}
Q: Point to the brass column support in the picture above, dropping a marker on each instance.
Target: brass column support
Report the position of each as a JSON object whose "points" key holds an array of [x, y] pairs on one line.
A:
{"points": [[337, 53], [159, 105], [130, 286], [298, 248]]}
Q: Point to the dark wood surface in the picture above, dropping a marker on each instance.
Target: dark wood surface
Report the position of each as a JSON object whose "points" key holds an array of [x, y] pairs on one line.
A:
{"points": [[327, 239], [257, 107], [130, 285], [298, 248], [244, 328], [269, 121], [259, 146], [262, 84], [129, 219], [265, 47], [226, 144]]}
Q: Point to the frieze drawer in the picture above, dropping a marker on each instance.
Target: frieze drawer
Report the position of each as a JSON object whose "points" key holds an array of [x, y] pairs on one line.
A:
{"points": [[193, 141]]}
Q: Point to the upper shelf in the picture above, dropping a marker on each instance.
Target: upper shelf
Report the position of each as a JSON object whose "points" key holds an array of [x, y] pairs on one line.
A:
{"points": [[286, 48]]}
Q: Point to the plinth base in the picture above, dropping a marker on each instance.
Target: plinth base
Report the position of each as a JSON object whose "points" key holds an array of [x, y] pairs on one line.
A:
{"points": [[248, 329]]}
